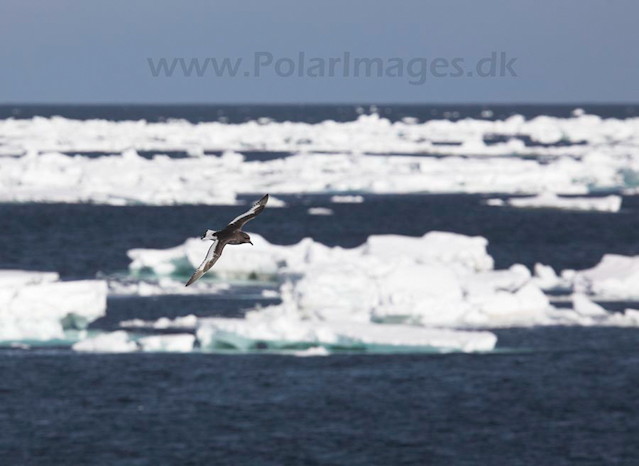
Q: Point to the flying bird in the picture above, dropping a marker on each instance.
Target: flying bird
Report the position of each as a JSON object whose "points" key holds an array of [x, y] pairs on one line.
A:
{"points": [[231, 234]]}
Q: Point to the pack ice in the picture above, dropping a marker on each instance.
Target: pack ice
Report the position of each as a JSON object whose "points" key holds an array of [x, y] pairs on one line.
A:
{"points": [[328, 157], [392, 291], [548, 200], [38, 306]]}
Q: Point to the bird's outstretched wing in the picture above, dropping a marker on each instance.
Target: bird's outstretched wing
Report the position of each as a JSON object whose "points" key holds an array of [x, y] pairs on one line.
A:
{"points": [[215, 251], [249, 215]]}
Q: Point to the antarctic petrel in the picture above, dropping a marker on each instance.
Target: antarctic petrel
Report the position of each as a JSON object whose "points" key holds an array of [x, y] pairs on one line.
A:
{"points": [[231, 234]]}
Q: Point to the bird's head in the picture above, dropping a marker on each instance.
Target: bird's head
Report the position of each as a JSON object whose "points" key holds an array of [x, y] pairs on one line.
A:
{"points": [[246, 238]]}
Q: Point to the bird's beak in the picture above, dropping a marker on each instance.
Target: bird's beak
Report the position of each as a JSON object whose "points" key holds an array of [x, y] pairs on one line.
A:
{"points": [[202, 238], [251, 243]]}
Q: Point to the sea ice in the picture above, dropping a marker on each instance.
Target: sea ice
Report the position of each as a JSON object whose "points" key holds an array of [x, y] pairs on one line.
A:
{"points": [[328, 157], [548, 200], [320, 211], [439, 280], [176, 343], [615, 277], [367, 134], [38, 306], [312, 351], [347, 199], [113, 342], [287, 333], [185, 322]]}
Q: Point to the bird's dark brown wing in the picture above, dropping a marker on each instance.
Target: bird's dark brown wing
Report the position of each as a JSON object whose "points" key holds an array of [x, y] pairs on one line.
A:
{"points": [[215, 251], [249, 215]]}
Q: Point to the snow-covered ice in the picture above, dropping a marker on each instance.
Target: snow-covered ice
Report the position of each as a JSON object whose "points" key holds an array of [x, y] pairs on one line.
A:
{"points": [[548, 200], [255, 332], [38, 306], [328, 157], [312, 351], [615, 277], [113, 342], [121, 341], [320, 211], [176, 343], [367, 134], [185, 322], [439, 280], [347, 199]]}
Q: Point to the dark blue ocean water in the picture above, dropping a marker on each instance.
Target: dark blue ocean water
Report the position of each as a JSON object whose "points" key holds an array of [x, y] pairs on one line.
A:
{"points": [[547, 396], [310, 113]]}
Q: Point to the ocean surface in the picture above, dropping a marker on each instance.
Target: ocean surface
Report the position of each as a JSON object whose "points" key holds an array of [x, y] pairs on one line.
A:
{"points": [[546, 396]]}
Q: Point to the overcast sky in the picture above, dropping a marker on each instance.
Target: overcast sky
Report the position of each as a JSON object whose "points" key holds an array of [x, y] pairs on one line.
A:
{"points": [[575, 51]]}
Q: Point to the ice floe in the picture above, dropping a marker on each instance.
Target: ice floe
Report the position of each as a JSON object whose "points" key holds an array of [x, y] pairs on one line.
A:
{"points": [[176, 343], [320, 211], [127, 178], [38, 306], [113, 342], [312, 351], [442, 280], [347, 199], [435, 293], [185, 322], [121, 341], [287, 333], [369, 133], [615, 277], [567, 155], [548, 200]]}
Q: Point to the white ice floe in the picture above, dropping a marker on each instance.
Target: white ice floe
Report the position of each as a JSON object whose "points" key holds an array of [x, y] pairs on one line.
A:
{"points": [[266, 259], [320, 211], [121, 341], [328, 158], [185, 322], [629, 318], [275, 202], [546, 278], [113, 342], [548, 200], [615, 277], [38, 306], [177, 343], [255, 332], [347, 199], [312, 352], [367, 134], [438, 280], [128, 178], [585, 307]]}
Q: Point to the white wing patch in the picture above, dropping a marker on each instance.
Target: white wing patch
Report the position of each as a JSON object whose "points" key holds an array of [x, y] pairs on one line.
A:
{"points": [[210, 254], [246, 214], [211, 258]]}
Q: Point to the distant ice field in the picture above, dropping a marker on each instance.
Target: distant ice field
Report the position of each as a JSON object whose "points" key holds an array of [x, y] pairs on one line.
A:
{"points": [[177, 161]]}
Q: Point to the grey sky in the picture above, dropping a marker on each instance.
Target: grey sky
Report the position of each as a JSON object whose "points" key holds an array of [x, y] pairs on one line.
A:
{"points": [[96, 51]]}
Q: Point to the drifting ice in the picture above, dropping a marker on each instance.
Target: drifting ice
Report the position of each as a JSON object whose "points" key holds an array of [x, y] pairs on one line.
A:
{"points": [[615, 277], [114, 342], [328, 157], [287, 333], [438, 280], [179, 343], [38, 306], [552, 201]]}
